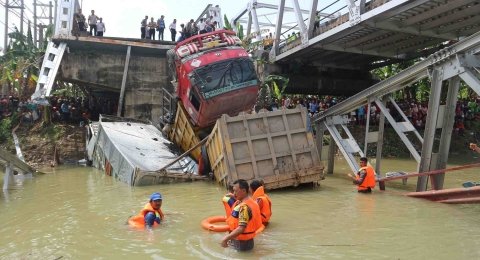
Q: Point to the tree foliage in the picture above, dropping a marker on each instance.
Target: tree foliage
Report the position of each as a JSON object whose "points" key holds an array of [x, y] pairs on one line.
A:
{"points": [[20, 65]]}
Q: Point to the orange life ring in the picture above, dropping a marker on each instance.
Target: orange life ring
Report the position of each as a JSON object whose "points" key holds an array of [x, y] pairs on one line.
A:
{"points": [[210, 223]]}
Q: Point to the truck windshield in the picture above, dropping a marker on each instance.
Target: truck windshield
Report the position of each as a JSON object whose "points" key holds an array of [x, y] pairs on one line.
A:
{"points": [[224, 76]]}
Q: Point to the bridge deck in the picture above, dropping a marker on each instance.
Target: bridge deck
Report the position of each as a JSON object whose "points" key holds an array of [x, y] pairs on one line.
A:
{"points": [[389, 30], [116, 44]]}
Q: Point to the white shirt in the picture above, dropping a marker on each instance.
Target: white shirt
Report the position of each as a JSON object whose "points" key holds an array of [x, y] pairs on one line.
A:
{"points": [[173, 26], [201, 26], [92, 19], [100, 27]]}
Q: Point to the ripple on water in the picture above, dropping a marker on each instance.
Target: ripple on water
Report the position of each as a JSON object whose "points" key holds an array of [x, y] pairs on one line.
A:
{"points": [[80, 213]]}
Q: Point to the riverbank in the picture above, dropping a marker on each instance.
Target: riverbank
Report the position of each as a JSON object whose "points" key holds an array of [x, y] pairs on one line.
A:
{"points": [[64, 143], [58, 143]]}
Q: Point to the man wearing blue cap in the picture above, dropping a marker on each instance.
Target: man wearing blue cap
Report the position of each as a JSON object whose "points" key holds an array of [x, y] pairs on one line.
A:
{"points": [[151, 215]]}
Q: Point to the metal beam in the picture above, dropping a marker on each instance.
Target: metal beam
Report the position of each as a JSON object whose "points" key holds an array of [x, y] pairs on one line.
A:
{"points": [[472, 81], [405, 118], [300, 22], [414, 73], [287, 9], [331, 155], [396, 27], [430, 127], [124, 81], [399, 131], [248, 22], [353, 12], [312, 17], [253, 12], [447, 129], [450, 18], [434, 11], [381, 130], [278, 31]]}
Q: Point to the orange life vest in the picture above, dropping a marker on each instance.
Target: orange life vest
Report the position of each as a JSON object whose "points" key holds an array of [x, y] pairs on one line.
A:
{"points": [[252, 226], [369, 181], [139, 219], [266, 209]]}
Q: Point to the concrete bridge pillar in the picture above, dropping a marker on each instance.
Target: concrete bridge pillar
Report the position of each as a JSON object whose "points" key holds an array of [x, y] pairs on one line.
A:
{"points": [[8, 178]]}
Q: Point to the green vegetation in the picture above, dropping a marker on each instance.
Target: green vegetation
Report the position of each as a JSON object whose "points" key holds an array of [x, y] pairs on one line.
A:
{"points": [[420, 90]]}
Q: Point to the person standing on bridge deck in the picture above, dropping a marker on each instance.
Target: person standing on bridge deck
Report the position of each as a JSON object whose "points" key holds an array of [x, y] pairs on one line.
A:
{"points": [[365, 177], [173, 29], [92, 22], [143, 27], [100, 27], [80, 18], [160, 27], [152, 25], [201, 26]]}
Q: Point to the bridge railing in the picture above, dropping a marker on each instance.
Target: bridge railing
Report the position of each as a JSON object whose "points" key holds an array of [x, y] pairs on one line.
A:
{"points": [[332, 15]]}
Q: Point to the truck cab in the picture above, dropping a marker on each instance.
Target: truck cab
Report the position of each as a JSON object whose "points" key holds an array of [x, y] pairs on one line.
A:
{"points": [[215, 76]]}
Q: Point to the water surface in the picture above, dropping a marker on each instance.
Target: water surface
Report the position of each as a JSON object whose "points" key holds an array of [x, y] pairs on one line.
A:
{"points": [[79, 213]]}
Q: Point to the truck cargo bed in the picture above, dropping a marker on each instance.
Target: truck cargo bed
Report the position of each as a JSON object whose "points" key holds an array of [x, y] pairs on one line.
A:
{"points": [[271, 146]]}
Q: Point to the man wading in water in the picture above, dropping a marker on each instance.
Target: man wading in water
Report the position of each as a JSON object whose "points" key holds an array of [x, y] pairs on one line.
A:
{"points": [[365, 177], [245, 221]]}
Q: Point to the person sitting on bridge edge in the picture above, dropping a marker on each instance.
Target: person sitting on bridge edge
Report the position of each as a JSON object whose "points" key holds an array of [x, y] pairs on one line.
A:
{"points": [[262, 199], [474, 147], [365, 177], [151, 215], [245, 221]]}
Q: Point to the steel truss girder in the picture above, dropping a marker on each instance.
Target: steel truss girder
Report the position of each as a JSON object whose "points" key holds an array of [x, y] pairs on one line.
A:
{"points": [[430, 128], [400, 128], [470, 45], [354, 12], [48, 72], [348, 147]]}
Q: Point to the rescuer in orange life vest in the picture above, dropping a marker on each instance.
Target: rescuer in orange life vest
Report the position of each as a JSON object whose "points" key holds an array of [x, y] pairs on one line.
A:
{"points": [[151, 215], [245, 221], [365, 177], [262, 199]]}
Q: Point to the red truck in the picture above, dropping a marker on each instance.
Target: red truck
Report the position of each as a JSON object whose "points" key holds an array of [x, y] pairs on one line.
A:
{"points": [[215, 76]]}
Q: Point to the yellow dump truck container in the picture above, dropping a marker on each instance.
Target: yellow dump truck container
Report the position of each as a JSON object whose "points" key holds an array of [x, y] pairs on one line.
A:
{"points": [[183, 134], [275, 147]]}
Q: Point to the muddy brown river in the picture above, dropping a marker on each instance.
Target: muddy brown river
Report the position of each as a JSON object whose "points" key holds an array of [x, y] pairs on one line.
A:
{"points": [[79, 213]]}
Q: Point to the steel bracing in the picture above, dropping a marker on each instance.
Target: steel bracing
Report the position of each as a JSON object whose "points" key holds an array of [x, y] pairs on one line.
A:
{"points": [[372, 32], [445, 69], [54, 52]]}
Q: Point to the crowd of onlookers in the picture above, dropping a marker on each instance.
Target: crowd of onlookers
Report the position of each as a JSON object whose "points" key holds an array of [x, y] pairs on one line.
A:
{"points": [[82, 109], [415, 111], [29, 111], [148, 29], [63, 109]]}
